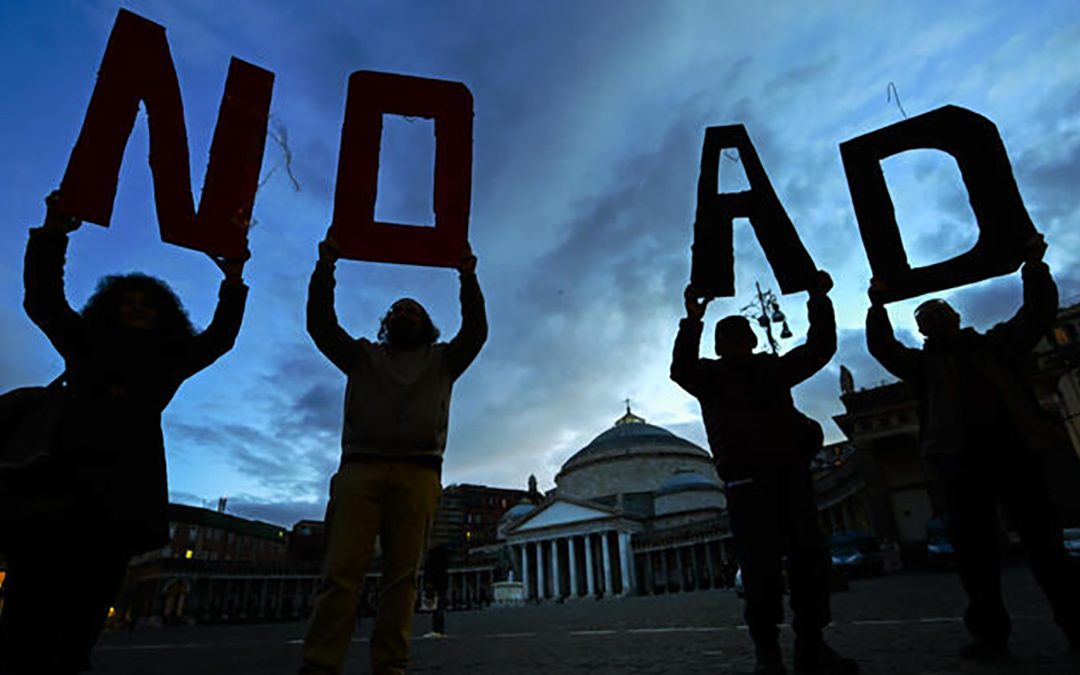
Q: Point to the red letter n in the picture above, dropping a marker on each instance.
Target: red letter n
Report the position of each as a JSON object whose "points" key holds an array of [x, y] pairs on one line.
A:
{"points": [[137, 66]]}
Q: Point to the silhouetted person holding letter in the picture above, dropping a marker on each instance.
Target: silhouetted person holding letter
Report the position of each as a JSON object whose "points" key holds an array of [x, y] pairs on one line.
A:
{"points": [[983, 431], [397, 406], [762, 446], [101, 497]]}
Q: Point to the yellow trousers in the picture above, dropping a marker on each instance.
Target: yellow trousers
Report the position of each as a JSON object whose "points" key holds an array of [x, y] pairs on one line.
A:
{"points": [[395, 501]]}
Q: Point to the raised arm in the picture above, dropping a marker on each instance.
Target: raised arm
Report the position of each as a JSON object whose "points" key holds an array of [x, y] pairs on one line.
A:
{"points": [[43, 278], [322, 322], [1034, 319], [685, 361], [901, 361], [474, 329], [811, 356], [219, 337]]}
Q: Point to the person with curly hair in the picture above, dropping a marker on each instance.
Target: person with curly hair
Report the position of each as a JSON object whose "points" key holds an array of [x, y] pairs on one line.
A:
{"points": [[101, 496], [397, 408]]}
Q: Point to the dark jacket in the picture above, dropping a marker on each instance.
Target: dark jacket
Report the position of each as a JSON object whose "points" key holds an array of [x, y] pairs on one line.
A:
{"points": [[750, 418], [972, 387], [397, 403], [109, 453]]}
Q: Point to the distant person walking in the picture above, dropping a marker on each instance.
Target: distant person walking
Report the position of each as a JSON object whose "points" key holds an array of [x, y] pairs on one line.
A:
{"points": [[983, 431], [397, 405], [437, 578], [762, 447], [101, 496]]}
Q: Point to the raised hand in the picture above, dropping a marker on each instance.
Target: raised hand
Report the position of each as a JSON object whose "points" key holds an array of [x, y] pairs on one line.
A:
{"points": [[695, 303], [1034, 249], [233, 268], [468, 261], [329, 251], [876, 292], [55, 220]]}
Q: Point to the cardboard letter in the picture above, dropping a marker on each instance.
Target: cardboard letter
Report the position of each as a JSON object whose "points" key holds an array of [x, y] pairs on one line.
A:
{"points": [[713, 261], [354, 227], [974, 142], [137, 66]]}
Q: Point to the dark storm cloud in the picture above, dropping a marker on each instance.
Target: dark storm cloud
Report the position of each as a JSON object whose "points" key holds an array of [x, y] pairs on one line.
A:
{"points": [[282, 512], [279, 512], [275, 457], [588, 133]]}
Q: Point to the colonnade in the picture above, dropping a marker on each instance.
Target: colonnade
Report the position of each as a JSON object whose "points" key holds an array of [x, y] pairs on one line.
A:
{"points": [[687, 567], [595, 564], [469, 587]]}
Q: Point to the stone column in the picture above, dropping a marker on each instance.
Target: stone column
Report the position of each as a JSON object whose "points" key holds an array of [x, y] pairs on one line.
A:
{"points": [[590, 575], [665, 570], [605, 550], [262, 598], [555, 580], [709, 569], [649, 581], [525, 570], [681, 568], [626, 555], [539, 570], [573, 567], [694, 566]]}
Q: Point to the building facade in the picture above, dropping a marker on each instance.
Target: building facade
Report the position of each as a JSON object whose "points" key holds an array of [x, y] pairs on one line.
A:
{"points": [[636, 511]]}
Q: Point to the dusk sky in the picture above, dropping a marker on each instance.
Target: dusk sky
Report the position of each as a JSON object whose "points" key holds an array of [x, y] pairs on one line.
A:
{"points": [[589, 119]]}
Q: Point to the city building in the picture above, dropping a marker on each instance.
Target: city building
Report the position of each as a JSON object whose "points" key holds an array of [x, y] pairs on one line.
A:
{"points": [[216, 567]]}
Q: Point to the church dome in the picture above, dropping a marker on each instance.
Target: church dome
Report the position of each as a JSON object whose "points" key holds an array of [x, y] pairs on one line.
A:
{"points": [[521, 509], [689, 491], [630, 435], [685, 481], [632, 457]]}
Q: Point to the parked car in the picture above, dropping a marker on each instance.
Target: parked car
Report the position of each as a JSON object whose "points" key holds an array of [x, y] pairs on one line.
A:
{"points": [[939, 549], [1072, 541], [856, 553]]}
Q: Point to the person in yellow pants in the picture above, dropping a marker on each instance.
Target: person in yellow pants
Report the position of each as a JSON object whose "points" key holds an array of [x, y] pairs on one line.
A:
{"points": [[397, 406]]}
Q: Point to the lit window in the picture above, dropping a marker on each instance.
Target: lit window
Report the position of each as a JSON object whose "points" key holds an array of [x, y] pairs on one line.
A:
{"points": [[1064, 335], [188, 553]]}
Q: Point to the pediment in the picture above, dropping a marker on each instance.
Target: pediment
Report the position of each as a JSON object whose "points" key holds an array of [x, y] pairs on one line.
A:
{"points": [[560, 512]]}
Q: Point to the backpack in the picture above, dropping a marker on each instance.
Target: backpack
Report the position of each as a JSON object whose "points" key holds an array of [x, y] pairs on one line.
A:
{"points": [[28, 419]]}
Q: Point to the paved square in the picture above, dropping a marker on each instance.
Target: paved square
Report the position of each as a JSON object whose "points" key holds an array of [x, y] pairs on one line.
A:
{"points": [[905, 624]]}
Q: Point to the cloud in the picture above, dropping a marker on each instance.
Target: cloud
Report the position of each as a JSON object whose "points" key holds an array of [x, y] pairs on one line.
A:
{"points": [[283, 512], [587, 139]]}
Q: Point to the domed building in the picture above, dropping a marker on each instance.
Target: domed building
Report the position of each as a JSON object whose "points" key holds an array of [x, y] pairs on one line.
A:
{"points": [[638, 510]]}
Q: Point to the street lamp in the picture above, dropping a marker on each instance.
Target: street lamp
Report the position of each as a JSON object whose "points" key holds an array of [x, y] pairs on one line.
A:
{"points": [[766, 310]]}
